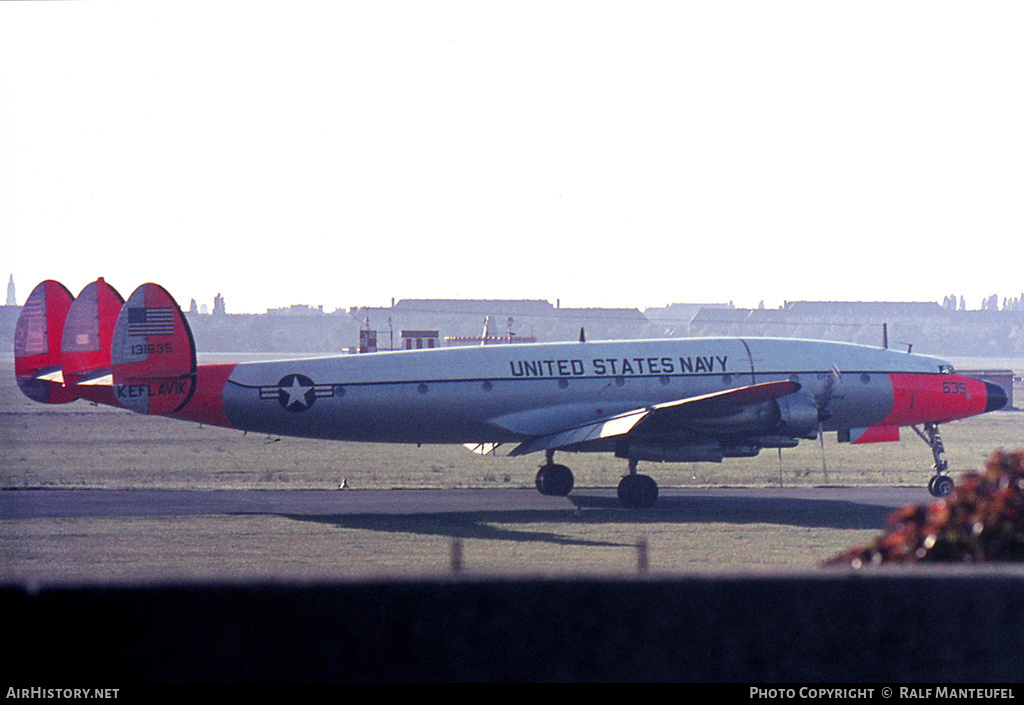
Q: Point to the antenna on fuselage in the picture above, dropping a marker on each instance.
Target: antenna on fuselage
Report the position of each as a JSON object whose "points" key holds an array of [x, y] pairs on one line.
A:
{"points": [[821, 439], [583, 335], [823, 399]]}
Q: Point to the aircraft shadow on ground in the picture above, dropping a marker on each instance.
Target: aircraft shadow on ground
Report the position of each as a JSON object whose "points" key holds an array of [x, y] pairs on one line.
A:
{"points": [[488, 525], [515, 525]]}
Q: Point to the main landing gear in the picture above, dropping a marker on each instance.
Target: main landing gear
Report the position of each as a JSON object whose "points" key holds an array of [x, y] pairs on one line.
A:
{"points": [[635, 491], [552, 479], [941, 484]]}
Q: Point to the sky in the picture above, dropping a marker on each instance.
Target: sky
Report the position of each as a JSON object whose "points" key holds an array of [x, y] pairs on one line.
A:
{"points": [[601, 154]]}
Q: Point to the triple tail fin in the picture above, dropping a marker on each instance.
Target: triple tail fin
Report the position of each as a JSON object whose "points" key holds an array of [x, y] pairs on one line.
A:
{"points": [[37, 344], [85, 342], [153, 355]]}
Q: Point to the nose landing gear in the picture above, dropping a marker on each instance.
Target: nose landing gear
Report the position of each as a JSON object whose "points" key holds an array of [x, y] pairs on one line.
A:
{"points": [[940, 484]]}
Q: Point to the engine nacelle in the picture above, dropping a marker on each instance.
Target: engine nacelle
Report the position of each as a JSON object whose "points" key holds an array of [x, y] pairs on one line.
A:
{"points": [[795, 415], [657, 452], [799, 415]]}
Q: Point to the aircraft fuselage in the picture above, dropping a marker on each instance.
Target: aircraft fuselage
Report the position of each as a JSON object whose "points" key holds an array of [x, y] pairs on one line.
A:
{"points": [[509, 393]]}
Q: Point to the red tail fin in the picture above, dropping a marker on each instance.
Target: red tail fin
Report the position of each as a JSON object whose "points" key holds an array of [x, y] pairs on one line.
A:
{"points": [[153, 355], [85, 344], [37, 349]]}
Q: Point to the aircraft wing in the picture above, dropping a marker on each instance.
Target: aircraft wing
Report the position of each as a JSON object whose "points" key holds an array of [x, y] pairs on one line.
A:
{"points": [[662, 416]]}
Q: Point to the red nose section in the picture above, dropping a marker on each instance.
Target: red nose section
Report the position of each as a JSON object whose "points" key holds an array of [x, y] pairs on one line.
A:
{"points": [[921, 398]]}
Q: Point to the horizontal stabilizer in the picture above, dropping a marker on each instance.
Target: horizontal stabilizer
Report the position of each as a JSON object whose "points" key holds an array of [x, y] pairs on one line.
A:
{"points": [[57, 377], [482, 448], [101, 380], [662, 416], [153, 355]]}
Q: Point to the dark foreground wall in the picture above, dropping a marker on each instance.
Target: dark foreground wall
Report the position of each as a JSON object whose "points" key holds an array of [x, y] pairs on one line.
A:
{"points": [[874, 627]]}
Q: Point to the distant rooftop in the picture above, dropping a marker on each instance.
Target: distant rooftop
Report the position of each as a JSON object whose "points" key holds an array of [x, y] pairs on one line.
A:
{"points": [[536, 307], [864, 307], [508, 307], [603, 313]]}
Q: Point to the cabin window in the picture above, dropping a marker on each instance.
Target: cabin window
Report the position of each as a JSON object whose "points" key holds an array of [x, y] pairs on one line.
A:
{"points": [[422, 389]]}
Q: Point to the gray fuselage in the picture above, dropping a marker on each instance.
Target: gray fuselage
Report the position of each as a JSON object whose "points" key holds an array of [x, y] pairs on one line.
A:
{"points": [[507, 393]]}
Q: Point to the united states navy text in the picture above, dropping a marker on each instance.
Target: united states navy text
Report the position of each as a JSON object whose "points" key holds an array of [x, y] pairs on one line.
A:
{"points": [[619, 366]]}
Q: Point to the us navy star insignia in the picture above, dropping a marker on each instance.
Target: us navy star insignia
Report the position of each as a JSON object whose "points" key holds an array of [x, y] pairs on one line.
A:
{"points": [[296, 392]]}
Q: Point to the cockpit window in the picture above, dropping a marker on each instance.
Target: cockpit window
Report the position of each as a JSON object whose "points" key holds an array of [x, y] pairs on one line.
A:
{"points": [[946, 369]]}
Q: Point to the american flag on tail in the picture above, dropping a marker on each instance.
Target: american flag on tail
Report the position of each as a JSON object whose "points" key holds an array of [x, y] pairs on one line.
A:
{"points": [[150, 321]]}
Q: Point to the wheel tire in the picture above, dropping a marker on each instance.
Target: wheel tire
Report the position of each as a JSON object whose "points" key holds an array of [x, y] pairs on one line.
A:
{"points": [[555, 480], [638, 491], [941, 485]]}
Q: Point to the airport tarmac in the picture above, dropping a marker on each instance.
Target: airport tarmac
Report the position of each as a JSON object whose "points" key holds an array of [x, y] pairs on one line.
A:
{"points": [[119, 536], [723, 504], [858, 505]]}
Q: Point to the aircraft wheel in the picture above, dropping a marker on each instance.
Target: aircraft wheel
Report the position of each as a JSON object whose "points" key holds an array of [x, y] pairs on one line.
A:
{"points": [[638, 491], [940, 485], [555, 480]]}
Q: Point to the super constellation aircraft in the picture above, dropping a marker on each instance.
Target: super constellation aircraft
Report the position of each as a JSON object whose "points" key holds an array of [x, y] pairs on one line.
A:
{"points": [[691, 399]]}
